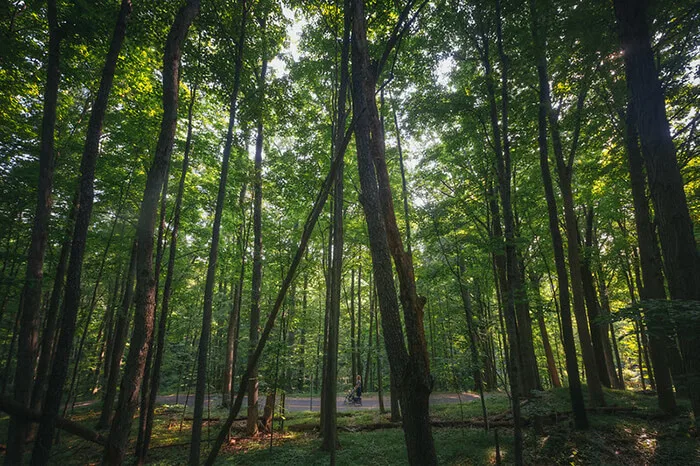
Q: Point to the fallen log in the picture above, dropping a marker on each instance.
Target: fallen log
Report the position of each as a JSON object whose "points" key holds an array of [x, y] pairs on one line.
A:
{"points": [[14, 408]]}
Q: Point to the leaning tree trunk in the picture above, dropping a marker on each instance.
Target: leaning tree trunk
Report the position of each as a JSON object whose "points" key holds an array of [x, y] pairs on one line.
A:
{"points": [[291, 272], [145, 282], [71, 302], [575, 392], [30, 309], [681, 258]]}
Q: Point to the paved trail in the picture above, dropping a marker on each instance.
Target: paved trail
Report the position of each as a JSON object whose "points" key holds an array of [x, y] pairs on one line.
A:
{"points": [[306, 404]]}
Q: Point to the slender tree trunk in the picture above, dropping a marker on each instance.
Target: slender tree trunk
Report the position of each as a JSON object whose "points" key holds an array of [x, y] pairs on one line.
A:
{"points": [[575, 392], [329, 431], [597, 330], [564, 169], [49, 336], [145, 283], [681, 258], [121, 328], [195, 445], [252, 422], [29, 312], [73, 282], [549, 355], [301, 249], [235, 316]]}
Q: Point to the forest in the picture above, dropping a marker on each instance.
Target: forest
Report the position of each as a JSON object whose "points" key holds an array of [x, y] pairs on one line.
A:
{"points": [[296, 232]]}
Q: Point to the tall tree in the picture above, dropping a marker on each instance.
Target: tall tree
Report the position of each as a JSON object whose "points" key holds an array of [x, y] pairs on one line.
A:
{"points": [[30, 303], [410, 366], [115, 448], [575, 392], [252, 422], [214, 251], [681, 257], [71, 301]]}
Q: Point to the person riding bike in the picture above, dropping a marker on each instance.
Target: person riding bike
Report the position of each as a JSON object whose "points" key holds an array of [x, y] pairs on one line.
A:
{"points": [[357, 398]]}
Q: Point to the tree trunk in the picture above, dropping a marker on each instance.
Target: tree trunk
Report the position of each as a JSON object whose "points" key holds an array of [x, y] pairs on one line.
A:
{"points": [[145, 283], [49, 336], [235, 316], [195, 445], [551, 365], [121, 328], [564, 169], [329, 431], [575, 392], [681, 258], [71, 302], [598, 332], [252, 422], [30, 311], [411, 367], [301, 249], [652, 274]]}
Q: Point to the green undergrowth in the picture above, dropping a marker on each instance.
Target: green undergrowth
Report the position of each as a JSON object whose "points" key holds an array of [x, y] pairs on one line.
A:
{"points": [[636, 434]]}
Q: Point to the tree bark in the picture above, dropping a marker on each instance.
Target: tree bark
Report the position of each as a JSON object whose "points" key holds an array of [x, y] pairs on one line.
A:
{"points": [[204, 340], [145, 282], [652, 274], [681, 258], [52, 314], [71, 302], [564, 169], [575, 392], [121, 328], [411, 366], [30, 310], [252, 422], [329, 431], [235, 316]]}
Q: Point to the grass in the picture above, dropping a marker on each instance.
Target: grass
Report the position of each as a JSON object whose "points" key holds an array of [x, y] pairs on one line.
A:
{"points": [[638, 437]]}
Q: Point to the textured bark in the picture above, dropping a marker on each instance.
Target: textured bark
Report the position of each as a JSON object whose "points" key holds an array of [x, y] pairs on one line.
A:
{"points": [[29, 312], [411, 365], [205, 338], [71, 302], [652, 274], [575, 392], [681, 257], [145, 281], [167, 289]]}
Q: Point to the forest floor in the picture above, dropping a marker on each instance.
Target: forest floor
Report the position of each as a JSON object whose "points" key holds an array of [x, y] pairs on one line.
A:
{"points": [[630, 431]]}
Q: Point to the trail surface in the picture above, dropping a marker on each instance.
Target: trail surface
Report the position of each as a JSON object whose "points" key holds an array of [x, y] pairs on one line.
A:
{"points": [[294, 403]]}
